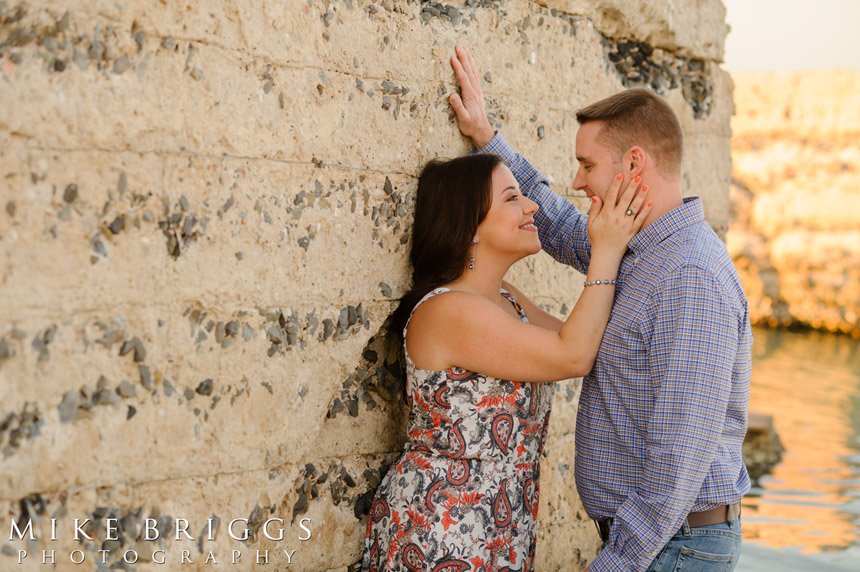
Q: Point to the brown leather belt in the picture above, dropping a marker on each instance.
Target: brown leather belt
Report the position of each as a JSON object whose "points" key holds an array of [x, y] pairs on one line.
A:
{"points": [[694, 519], [714, 516]]}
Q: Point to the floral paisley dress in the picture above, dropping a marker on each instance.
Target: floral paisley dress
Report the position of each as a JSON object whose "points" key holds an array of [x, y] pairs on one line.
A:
{"points": [[464, 493]]}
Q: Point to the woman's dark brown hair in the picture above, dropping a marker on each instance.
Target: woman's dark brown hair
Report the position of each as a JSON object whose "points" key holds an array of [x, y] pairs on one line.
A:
{"points": [[453, 198]]}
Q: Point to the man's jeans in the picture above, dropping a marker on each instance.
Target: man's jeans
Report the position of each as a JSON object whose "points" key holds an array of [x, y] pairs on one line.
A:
{"points": [[713, 548]]}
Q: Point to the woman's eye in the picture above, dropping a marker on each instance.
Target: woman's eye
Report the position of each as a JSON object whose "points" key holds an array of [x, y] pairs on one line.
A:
{"points": [[513, 197]]}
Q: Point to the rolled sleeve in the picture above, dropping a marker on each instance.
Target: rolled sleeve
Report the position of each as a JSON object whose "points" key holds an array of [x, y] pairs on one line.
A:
{"points": [[691, 349], [611, 561], [561, 226]]}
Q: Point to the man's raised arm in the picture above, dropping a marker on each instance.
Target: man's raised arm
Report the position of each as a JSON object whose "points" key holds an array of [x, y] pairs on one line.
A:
{"points": [[561, 226]]}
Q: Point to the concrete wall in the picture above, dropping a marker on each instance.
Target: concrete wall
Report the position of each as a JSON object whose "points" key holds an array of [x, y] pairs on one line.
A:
{"points": [[204, 220]]}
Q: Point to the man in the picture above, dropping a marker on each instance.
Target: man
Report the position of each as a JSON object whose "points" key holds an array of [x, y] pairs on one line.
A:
{"points": [[663, 413]]}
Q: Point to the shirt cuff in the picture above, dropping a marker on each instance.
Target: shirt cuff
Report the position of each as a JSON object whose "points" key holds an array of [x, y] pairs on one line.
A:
{"points": [[610, 561], [529, 178], [498, 146]]}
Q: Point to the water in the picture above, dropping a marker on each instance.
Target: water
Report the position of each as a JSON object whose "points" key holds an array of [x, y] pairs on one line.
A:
{"points": [[805, 516]]}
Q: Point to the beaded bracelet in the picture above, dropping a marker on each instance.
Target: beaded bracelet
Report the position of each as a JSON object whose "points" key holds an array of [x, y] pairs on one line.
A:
{"points": [[607, 281]]}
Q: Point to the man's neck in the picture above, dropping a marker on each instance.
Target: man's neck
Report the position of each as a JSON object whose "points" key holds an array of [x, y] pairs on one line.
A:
{"points": [[666, 197]]}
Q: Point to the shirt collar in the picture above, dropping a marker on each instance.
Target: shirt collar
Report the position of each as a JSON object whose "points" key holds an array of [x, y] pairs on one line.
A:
{"points": [[689, 213]]}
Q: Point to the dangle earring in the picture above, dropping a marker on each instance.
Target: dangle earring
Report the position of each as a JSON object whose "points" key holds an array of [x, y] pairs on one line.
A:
{"points": [[472, 258]]}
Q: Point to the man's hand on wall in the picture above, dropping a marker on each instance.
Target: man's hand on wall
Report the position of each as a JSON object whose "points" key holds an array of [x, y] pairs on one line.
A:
{"points": [[469, 103]]}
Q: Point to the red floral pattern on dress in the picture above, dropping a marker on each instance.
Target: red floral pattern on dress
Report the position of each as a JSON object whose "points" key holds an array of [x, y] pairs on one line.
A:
{"points": [[464, 494]]}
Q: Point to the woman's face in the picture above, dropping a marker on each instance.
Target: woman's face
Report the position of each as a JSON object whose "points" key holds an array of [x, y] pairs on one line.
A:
{"points": [[509, 226]]}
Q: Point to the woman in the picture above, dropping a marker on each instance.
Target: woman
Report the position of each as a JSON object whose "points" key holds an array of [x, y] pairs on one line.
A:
{"points": [[464, 493]]}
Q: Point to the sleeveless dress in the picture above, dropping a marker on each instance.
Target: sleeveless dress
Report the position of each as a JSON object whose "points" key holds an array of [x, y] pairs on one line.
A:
{"points": [[464, 494]]}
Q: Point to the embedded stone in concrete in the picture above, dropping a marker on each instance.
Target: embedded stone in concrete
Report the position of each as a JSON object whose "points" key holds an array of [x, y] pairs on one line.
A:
{"points": [[215, 224]]}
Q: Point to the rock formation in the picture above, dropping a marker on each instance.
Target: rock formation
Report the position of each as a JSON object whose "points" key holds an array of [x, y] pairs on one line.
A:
{"points": [[795, 233]]}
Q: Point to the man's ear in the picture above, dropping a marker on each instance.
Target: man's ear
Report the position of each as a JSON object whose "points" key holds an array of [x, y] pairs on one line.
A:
{"points": [[633, 161]]}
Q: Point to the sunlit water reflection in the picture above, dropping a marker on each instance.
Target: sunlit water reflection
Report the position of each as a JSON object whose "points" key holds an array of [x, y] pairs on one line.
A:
{"points": [[806, 514]]}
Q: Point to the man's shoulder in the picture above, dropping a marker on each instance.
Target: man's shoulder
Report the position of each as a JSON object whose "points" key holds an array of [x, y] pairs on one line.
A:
{"points": [[696, 249], [703, 248]]}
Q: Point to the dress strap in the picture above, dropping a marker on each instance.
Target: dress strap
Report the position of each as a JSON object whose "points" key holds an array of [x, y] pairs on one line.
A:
{"points": [[426, 297], [512, 300]]}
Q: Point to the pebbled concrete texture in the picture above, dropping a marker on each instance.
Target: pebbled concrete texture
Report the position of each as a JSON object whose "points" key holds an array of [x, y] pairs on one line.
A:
{"points": [[204, 220]]}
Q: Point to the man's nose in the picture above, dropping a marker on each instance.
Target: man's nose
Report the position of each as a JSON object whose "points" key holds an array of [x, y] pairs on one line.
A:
{"points": [[579, 180]]}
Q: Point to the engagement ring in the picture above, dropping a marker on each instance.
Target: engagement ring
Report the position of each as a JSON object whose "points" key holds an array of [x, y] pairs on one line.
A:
{"points": [[629, 212]]}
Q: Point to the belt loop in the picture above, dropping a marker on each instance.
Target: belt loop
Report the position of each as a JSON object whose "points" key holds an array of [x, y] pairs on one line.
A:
{"points": [[685, 528]]}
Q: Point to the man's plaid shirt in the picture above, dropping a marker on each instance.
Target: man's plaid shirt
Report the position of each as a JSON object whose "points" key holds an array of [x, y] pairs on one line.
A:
{"points": [[663, 413]]}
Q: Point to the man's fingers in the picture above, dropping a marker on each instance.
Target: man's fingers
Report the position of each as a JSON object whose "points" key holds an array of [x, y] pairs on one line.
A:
{"points": [[464, 61], [459, 108], [462, 76], [473, 69], [464, 58]]}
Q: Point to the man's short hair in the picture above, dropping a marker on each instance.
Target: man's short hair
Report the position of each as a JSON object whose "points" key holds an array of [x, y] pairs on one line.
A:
{"points": [[638, 117]]}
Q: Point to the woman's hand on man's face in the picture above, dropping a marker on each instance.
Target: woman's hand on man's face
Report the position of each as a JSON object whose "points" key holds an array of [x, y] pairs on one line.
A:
{"points": [[468, 105], [615, 219]]}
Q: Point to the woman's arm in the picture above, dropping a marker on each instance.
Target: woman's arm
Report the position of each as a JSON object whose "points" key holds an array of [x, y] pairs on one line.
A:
{"points": [[474, 333], [461, 329]]}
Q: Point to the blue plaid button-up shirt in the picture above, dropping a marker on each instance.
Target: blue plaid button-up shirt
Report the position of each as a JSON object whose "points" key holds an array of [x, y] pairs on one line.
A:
{"points": [[663, 414]]}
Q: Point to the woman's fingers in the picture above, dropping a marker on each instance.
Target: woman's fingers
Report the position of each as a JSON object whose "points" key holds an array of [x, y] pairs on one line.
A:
{"points": [[596, 207], [612, 195], [640, 217], [637, 200], [627, 194]]}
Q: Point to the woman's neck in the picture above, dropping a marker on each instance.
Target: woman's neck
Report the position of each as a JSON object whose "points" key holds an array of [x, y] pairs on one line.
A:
{"points": [[484, 280]]}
